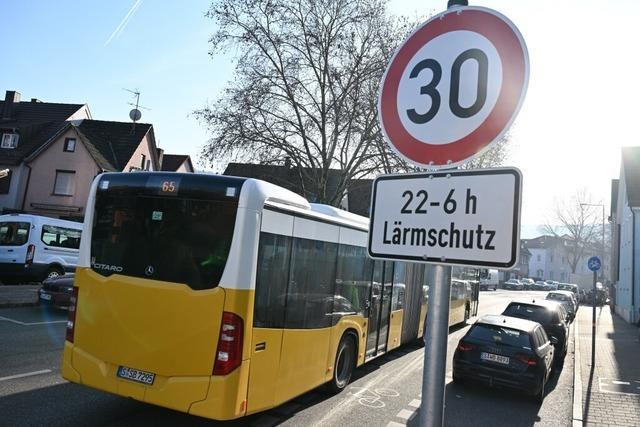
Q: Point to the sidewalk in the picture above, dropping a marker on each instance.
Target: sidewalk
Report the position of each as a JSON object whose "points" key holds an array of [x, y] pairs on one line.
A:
{"points": [[19, 295], [611, 391]]}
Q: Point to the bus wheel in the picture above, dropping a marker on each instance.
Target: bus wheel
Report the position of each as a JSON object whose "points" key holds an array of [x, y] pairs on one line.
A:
{"points": [[345, 362]]}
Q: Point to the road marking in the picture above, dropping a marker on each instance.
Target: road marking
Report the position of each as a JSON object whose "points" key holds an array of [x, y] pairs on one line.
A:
{"points": [[31, 323], [621, 382], [28, 374], [415, 403], [395, 424]]}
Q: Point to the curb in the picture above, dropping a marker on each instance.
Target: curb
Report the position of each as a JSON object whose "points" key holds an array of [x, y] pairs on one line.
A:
{"points": [[577, 378], [18, 304]]}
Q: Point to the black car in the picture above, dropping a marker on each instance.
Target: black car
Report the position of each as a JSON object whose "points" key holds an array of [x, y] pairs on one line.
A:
{"points": [[57, 291], [549, 314], [506, 352]]}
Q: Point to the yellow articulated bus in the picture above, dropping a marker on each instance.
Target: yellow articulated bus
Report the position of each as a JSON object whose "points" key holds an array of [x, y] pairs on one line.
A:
{"points": [[221, 296]]}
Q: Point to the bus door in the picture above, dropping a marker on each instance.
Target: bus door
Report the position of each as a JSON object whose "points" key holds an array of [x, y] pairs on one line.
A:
{"points": [[379, 306]]}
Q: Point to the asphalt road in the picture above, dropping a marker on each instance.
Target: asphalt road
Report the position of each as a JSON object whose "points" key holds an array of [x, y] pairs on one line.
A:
{"points": [[384, 392]]}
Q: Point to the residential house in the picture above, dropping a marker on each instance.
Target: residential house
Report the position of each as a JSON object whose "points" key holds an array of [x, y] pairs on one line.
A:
{"points": [[175, 162], [549, 259], [521, 269], [25, 126], [356, 199], [625, 222]]}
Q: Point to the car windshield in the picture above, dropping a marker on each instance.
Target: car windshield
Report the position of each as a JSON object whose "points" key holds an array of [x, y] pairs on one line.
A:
{"points": [[530, 312], [500, 335]]}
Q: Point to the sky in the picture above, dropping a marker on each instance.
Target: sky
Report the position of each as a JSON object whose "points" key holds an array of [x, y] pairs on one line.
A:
{"points": [[580, 109]]}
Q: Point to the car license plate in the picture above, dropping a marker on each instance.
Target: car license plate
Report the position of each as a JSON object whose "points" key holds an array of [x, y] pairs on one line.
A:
{"points": [[136, 375], [45, 297], [494, 358]]}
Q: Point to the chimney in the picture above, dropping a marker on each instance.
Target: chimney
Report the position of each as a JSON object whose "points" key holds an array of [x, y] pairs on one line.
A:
{"points": [[10, 98], [160, 152], [35, 100]]}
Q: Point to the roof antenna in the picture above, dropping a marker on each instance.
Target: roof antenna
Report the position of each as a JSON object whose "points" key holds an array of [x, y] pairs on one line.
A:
{"points": [[135, 114]]}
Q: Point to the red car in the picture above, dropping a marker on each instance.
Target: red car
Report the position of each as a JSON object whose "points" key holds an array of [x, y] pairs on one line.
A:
{"points": [[57, 291]]}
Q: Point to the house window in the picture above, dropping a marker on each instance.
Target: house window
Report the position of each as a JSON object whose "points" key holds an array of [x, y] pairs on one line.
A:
{"points": [[9, 140], [538, 257], [65, 184], [148, 165], [70, 145], [551, 275], [540, 273], [5, 183], [551, 257], [142, 162]]}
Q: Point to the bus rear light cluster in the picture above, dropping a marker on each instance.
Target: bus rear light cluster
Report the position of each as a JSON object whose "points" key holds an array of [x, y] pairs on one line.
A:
{"points": [[31, 251], [229, 352], [71, 320]]}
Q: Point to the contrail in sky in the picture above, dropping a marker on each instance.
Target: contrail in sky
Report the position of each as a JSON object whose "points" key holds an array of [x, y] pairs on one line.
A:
{"points": [[124, 22]]}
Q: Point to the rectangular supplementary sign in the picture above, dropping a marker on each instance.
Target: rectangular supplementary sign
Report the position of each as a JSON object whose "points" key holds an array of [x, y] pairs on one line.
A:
{"points": [[458, 217]]}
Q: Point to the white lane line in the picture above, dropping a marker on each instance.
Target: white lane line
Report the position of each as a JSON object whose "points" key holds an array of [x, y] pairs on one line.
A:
{"points": [[415, 403], [621, 382], [395, 424], [405, 414], [31, 323], [28, 374]]}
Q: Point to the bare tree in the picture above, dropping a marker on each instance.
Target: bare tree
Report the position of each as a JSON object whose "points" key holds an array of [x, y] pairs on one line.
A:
{"points": [[494, 156], [305, 88], [578, 225]]}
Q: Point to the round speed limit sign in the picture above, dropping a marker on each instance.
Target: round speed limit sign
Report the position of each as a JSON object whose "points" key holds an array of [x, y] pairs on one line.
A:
{"points": [[453, 87]]}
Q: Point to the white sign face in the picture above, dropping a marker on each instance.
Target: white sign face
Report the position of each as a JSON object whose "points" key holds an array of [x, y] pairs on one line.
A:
{"points": [[453, 87], [467, 217]]}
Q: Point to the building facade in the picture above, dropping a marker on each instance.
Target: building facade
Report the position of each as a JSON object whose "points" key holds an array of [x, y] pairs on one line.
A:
{"points": [[625, 224]]}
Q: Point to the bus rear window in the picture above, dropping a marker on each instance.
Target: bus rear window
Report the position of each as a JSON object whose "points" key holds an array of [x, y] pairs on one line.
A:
{"points": [[14, 233], [172, 239]]}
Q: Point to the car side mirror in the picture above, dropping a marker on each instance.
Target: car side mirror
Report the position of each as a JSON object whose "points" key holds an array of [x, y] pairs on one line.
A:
{"points": [[553, 340]]}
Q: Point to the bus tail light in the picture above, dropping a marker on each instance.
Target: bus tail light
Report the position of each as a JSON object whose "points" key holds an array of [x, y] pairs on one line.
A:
{"points": [[71, 320], [229, 353], [31, 251]]}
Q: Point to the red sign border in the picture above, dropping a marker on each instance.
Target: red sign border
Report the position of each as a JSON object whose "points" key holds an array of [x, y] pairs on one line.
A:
{"points": [[515, 67]]}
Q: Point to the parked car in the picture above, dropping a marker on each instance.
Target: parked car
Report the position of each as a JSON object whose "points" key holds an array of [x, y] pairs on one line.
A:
{"points": [[57, 291], [513, 284], [550, 285], [539, 286], [33, 247], [508, 352], [551, 315], [568, 287], [528, 284], [565, 298]]}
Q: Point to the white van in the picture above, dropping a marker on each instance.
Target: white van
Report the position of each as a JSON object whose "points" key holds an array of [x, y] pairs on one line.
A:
{"points": [[33, 247]]}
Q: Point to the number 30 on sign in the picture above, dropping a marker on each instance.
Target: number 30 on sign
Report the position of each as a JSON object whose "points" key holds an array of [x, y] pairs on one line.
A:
{"points": [[453, 87]]}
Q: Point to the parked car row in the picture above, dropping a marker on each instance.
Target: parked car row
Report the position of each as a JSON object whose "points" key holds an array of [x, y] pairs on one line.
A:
{"points": [[519, 348]]}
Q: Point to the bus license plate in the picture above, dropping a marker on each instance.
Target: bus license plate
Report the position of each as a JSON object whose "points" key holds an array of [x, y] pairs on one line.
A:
{"points": [[136, 375], [494, 358]]}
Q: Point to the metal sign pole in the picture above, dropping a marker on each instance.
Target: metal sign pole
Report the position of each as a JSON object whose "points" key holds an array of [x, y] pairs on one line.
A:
{"points": [[593, 321], [435, 347], [435, 335]]}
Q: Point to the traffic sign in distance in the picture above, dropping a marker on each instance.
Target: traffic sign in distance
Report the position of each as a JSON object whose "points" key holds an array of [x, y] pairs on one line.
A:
{"points": [[594, 263], [466, 217], [453, 87]]}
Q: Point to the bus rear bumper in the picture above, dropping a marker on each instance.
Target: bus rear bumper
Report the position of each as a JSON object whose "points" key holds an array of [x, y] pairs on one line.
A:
{"points": [[219, 398]]}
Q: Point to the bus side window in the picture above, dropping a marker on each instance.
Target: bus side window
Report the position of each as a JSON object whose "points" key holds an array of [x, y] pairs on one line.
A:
{"points": [[311, 284], [353, 277], [271, 282], [399, 286]]}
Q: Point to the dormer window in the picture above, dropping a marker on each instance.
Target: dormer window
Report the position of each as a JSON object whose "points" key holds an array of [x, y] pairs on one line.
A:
{"points": [[9, 140]]}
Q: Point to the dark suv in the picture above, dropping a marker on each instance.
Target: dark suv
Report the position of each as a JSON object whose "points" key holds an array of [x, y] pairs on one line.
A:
{"points": [[549, 314]]}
